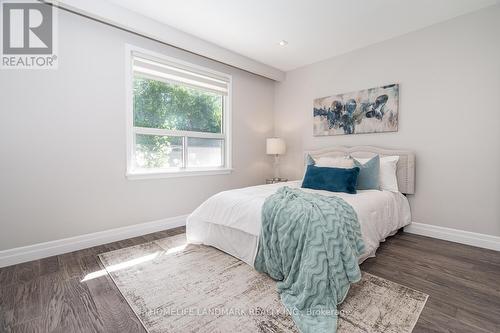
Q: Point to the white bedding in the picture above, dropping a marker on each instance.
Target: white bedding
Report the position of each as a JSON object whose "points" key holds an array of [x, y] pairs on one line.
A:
{"points": [[231, 220]]}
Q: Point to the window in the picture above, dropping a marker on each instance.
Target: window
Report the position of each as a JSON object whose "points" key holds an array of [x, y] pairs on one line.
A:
{"points": [[178, 118]]}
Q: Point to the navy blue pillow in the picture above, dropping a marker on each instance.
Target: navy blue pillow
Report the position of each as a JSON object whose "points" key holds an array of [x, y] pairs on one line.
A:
{"points": [[331, 179]]}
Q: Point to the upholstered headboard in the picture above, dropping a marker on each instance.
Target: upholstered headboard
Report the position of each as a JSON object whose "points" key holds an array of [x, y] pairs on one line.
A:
{"points": [[406, 164]]}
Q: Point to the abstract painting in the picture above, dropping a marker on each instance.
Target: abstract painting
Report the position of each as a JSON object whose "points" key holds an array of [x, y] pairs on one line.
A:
{"points": [[372, 110]]}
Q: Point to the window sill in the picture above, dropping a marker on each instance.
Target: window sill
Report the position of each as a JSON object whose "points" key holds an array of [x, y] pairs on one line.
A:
{"points": [[137, 175]]}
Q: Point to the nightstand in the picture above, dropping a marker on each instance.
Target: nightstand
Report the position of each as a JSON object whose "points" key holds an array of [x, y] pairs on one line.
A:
{"points": [[276, 180]]}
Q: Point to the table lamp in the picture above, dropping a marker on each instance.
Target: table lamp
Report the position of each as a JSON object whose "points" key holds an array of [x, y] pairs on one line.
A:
{"points": [[276, 147]]}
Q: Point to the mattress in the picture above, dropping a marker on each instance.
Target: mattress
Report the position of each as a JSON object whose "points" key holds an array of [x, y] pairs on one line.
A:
{"points": [[231, 220]]}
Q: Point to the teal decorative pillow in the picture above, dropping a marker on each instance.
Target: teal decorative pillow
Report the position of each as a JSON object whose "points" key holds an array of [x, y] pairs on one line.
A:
{"points": [[368, 178], [309, 160], [331, 179]]}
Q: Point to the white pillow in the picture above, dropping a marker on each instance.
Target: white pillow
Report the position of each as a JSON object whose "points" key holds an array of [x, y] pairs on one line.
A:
{"points": [[335, 162], [387, 174]]}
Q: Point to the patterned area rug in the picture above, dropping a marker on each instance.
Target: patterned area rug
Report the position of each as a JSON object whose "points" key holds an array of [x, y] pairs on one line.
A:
{"points": [[174, 287]]}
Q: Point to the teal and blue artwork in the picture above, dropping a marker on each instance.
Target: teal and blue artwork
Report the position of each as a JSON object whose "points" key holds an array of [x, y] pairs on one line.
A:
{"points": [[373, 110]]}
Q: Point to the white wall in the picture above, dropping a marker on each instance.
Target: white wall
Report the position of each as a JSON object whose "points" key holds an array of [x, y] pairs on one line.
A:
{"points": [[449, 114], [62, 141]]}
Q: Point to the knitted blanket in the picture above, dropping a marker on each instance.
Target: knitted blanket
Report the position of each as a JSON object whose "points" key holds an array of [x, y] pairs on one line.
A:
{"points": [[310, 244]]}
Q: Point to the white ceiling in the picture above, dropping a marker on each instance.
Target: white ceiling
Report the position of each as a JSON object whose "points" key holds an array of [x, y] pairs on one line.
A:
{"points": [[315, 29]]}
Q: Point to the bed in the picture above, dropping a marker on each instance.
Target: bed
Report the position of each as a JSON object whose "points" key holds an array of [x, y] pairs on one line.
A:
{"points": [[231, 220]]}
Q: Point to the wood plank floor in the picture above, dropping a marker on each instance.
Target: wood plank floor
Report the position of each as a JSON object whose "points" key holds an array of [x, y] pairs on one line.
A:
{"points": [[47, 295]]}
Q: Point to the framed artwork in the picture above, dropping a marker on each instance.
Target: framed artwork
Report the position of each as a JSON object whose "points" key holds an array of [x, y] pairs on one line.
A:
{"points": [[373, 110]]}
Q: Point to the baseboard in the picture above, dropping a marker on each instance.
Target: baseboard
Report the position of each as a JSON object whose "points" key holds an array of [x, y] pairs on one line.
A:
{"points": [[455, 235], [52, 248], [42, 250]]}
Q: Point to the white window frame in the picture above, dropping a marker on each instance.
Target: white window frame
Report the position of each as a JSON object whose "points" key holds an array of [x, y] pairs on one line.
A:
{"points": [[132, 130]]}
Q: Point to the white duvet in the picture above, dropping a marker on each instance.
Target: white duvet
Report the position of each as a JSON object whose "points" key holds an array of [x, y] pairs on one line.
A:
{"points": [[231, 220]]}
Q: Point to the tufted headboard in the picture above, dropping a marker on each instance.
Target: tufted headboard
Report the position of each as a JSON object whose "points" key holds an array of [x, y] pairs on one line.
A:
{"points": [[406, 164]]}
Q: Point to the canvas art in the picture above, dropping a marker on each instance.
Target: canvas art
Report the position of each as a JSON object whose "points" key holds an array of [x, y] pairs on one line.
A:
{"points": [[366, 111]]}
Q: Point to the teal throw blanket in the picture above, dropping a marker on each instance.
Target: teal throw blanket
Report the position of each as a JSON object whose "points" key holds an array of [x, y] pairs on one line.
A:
{"points": [[310, 244]]}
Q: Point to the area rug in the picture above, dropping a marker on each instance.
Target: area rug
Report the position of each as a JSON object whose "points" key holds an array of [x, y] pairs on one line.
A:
{"points": [[174, 287]]}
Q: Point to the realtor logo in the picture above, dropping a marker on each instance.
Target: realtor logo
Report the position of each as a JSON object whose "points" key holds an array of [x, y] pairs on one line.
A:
{"points": [[28, 35]]}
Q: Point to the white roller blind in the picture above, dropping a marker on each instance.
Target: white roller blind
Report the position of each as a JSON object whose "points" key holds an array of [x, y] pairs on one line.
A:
{"points": [[179, 74]]}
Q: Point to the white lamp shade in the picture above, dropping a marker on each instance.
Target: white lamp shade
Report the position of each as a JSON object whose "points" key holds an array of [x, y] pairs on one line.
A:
{"points": [[275, 146]]}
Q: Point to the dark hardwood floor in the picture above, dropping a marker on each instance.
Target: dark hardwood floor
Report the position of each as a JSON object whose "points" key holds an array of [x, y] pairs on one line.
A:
{"points": [[47, 295]]}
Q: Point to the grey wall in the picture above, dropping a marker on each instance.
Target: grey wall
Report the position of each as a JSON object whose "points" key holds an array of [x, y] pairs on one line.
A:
{"points": [[63, 150], [449, 114]]}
